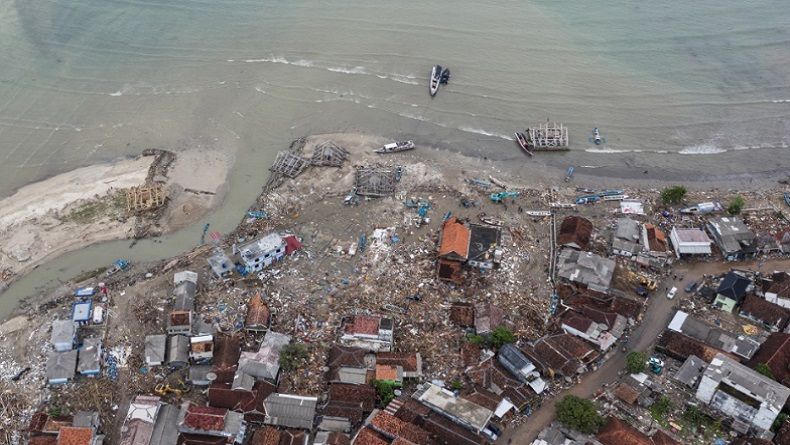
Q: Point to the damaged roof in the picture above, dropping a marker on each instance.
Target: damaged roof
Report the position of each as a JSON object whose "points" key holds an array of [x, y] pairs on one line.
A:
{"points": [[258, 313], [455, 239], [764, 311], [775, 352], [576, 232]]}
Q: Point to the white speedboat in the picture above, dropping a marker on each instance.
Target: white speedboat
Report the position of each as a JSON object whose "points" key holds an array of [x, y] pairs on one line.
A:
{"points": [[396, 147], [436, 80]]}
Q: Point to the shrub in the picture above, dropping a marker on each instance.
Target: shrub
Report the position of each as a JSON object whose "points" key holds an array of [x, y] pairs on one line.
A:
{"points": [[386, 390], [673, 195], [502, 336], [579, 414], [736, 205], [661, 408]]}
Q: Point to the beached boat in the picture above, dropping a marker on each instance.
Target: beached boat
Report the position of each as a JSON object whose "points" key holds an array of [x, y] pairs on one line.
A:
{"points": [[521, 140], [435, 80], [396, 147], [787, 198], [491, 221]]}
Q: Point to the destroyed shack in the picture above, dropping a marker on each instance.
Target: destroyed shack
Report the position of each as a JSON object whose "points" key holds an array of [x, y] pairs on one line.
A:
{"points": [[735, 240], [654, 239], [625, 241], [180, 319], [263, 252], [585, 268], [155, 349], [691, 371], [372, 333], [258, 315], [751, 399], [575, 232], [201, 348], [329, 154], [138, 426], [289, 164], [585, 328], [377, 181], [220, 264]]}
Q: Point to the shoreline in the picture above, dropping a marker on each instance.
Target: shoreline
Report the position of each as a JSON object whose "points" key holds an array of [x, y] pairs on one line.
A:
{"points": [[73, 210], [197, 195]]}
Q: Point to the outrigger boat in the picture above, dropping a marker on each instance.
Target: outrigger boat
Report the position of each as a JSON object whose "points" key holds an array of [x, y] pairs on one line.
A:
{"points": [[396, 147], [521, 140], [436, 79]]}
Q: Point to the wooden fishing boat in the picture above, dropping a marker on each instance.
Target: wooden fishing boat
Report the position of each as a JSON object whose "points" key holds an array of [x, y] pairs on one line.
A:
{"points": [[396, 147], [521, 140]]}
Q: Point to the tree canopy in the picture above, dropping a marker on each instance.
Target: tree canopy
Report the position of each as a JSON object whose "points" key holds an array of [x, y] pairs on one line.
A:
{"points": [[635, 362], [579, 414]]}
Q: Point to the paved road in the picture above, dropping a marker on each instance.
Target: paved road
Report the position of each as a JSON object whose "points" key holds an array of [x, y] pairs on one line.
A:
{"points": [[657, 317]]}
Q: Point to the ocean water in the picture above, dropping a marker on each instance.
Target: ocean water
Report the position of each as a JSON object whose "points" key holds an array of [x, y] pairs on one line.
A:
{"points": [[696, 89]]}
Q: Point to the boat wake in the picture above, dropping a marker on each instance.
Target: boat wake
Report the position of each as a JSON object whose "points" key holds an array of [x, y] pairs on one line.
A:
{"points": [[485, 133], [702, 149]]}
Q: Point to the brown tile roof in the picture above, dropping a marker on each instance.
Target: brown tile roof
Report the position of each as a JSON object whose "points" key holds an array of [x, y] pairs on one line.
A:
{"points": [[575, 231], [292, 437], [75, 436], [227, 350], [54, 424], [199, 439], [488, 317], [680, 347], [363, 396], [490, 374], [598, 316], [346, 356], [220, 395], [367, 436], [775, 352], [577, 321], [353, 413], [258, 313], [455, 239], [483, 397], [411, 410], [206, 418], [447, 432], [470, 353], [338, 438], [656, 238], [561, 353], [265, 436], [449, 270], [43, 439], [363, 324], [577, 298], [393, 427], [662, 438], [462, 314], [780, 285], [626, 393], [765, 311], [407, 360], [617, 432]]}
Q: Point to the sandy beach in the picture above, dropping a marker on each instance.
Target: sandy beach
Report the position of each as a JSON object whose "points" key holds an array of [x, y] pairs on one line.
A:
{"points": [[73, 210]]}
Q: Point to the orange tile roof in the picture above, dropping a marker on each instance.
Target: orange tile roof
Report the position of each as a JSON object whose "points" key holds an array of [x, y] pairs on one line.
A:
{"points": [[75, 436], [258, 313], [386, 372], [367, 436], [455, 238]]}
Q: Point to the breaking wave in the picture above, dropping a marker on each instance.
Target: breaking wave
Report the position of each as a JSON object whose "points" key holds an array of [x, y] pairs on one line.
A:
{"points": [[484, 132], [702, 149]]}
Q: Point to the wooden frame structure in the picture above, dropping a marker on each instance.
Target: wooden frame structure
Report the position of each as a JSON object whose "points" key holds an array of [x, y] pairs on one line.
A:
{"points": [[548, 136], [377, 181], [289, 164], [329, 154], [147, 197]]}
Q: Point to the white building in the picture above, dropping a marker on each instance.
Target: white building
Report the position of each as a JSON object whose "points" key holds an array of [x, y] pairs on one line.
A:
{"points": [[263, 252], [751, 399], [690, 242]]}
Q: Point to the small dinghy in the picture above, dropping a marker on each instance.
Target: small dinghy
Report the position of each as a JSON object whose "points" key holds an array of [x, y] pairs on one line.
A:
{"points": [[596, 137], [396, 147], [436, 79], [445, 76], [521, 140]]}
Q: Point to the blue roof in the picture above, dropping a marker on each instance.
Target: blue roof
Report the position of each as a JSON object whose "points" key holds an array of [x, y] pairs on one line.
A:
{"points": [[81, 311]]}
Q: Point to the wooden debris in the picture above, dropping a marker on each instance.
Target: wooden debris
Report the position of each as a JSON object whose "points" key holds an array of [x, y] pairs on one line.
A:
{"points": [[329, 154], [144, 198], [289, 164], [377, 181]]}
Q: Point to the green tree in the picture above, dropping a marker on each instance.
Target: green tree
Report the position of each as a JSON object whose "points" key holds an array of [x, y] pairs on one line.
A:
{"points": [[635, 362], [456, 385], [579, 414], [780, 419], [673, 195], [293, 356], [694, 416], [763, 369], [736, 205], [386, 390], [661, 408], [501, 336]]}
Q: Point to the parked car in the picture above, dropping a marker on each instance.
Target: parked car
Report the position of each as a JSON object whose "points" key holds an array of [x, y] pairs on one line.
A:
{"points": [[691, 287], [672, 292]]}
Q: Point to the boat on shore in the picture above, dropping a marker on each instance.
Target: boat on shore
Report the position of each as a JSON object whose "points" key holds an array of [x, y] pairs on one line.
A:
{"points": [[521, 140], [787, 198], [396, 147], [435, 80]]}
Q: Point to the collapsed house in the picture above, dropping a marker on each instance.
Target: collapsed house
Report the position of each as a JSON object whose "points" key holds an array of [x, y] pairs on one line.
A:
{"points": [[265, 363], [575, 232], [181, 317], [584, 327], [470, 245], [751, 399], [586, 268], [372, 333], [626, 239], [735, 240], [743, 347]]}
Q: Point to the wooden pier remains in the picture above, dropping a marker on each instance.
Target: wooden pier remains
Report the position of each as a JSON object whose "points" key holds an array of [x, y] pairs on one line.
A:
{"points": [[377, 181], [139, 199], [550, 136]]}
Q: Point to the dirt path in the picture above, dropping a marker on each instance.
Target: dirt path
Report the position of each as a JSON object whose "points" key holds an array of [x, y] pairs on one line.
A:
{"points": [[656, 318]]}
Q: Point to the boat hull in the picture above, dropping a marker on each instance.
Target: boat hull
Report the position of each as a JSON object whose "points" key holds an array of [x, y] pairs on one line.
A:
{"points": [[435, 80]]}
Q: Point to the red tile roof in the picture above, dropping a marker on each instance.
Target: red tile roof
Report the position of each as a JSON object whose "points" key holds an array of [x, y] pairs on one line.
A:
{"points": [[626, 393], [575, 231], [393, 427], [455, 239], [775, 352], [206, 418], [617, 432], [75, 436], [363, 396], [364, 324], [265, 436], [577, 321], [258, 313], [386, 372]]}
